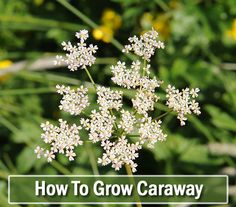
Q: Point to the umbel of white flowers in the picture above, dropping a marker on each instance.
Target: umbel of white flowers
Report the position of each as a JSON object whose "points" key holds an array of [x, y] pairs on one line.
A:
{"points": [[113, 131]]}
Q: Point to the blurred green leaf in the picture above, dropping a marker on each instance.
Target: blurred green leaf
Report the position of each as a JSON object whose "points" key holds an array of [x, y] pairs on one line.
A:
{"points": [[34, 23], [179, 68], [27, 133], [25, 160], [221, 119]]}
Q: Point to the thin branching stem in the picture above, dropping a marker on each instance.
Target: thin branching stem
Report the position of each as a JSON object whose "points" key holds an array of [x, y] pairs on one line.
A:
{"points": [[90, 78], [15, 130], [111, 112], [91, 23], [144, 67], [129, 172], [162, 115], [92, 158]]}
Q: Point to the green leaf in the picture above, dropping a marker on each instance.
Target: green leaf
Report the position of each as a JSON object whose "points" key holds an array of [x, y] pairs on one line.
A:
{"points": [[196, 154], [221, 119], [175, 144], [25, 160], [188, 150], [4, 201], [179, 68], [203, 128], [34, 23], [27, 132]]}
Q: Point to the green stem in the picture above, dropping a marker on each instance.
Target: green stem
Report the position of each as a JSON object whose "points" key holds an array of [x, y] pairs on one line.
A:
{"points": [[230, 161], [111, 112], [15, 130], [90, 78], [143, 72], [129, 172], [163, 5], [169, 167], [79, 14], [144, 66], [9, 125], [92, 159], [91, 154], [162, 115], [3, 175], [9, 163], [88, 145], [23, 91], [91, 23], [19, 22], [60, 168], [10, 108], [134, 135]]}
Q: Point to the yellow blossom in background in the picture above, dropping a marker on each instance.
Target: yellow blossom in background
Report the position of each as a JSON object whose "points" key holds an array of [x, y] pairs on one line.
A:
{"points": [[159, 23], [111, 19], [3, 65], [38, 2], [232, 32], [111, 22], [103, 33], [174, 4], [146, 20]]}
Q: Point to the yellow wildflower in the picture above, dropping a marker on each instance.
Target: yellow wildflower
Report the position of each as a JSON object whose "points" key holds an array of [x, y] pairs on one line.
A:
{"points": [[146, 20], [174, 4], [232, 32], [111, 19], [161, 24], [38, 2], [103, 33], [3, 65]]}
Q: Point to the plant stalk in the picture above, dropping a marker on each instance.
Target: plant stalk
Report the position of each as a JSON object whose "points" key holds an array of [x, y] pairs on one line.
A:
{"points": [[129, 172]]}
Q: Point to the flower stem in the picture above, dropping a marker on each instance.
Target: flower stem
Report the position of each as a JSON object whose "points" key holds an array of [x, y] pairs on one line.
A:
{"points": [[92, 159], [144, 67], [78, 13], [92, 81], [111, 112], [90, 78], [129, 172], [162, 115], [91, 23], [88, 145]]}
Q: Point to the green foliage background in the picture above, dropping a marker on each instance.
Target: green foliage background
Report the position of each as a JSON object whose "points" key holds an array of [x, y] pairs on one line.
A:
{"points": [[198, 54]]}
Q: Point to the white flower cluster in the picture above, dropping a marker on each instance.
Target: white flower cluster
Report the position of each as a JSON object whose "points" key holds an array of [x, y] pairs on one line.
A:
{"points": [[182, 102], [131, 78], [144, 101], [150, 131], [73, 101], [109, 99], [149, 84], [63, 140], [100, 125], [79, 55], [128, 78], [127, 121], [120, 153], [144, 46], [112, 130]]}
